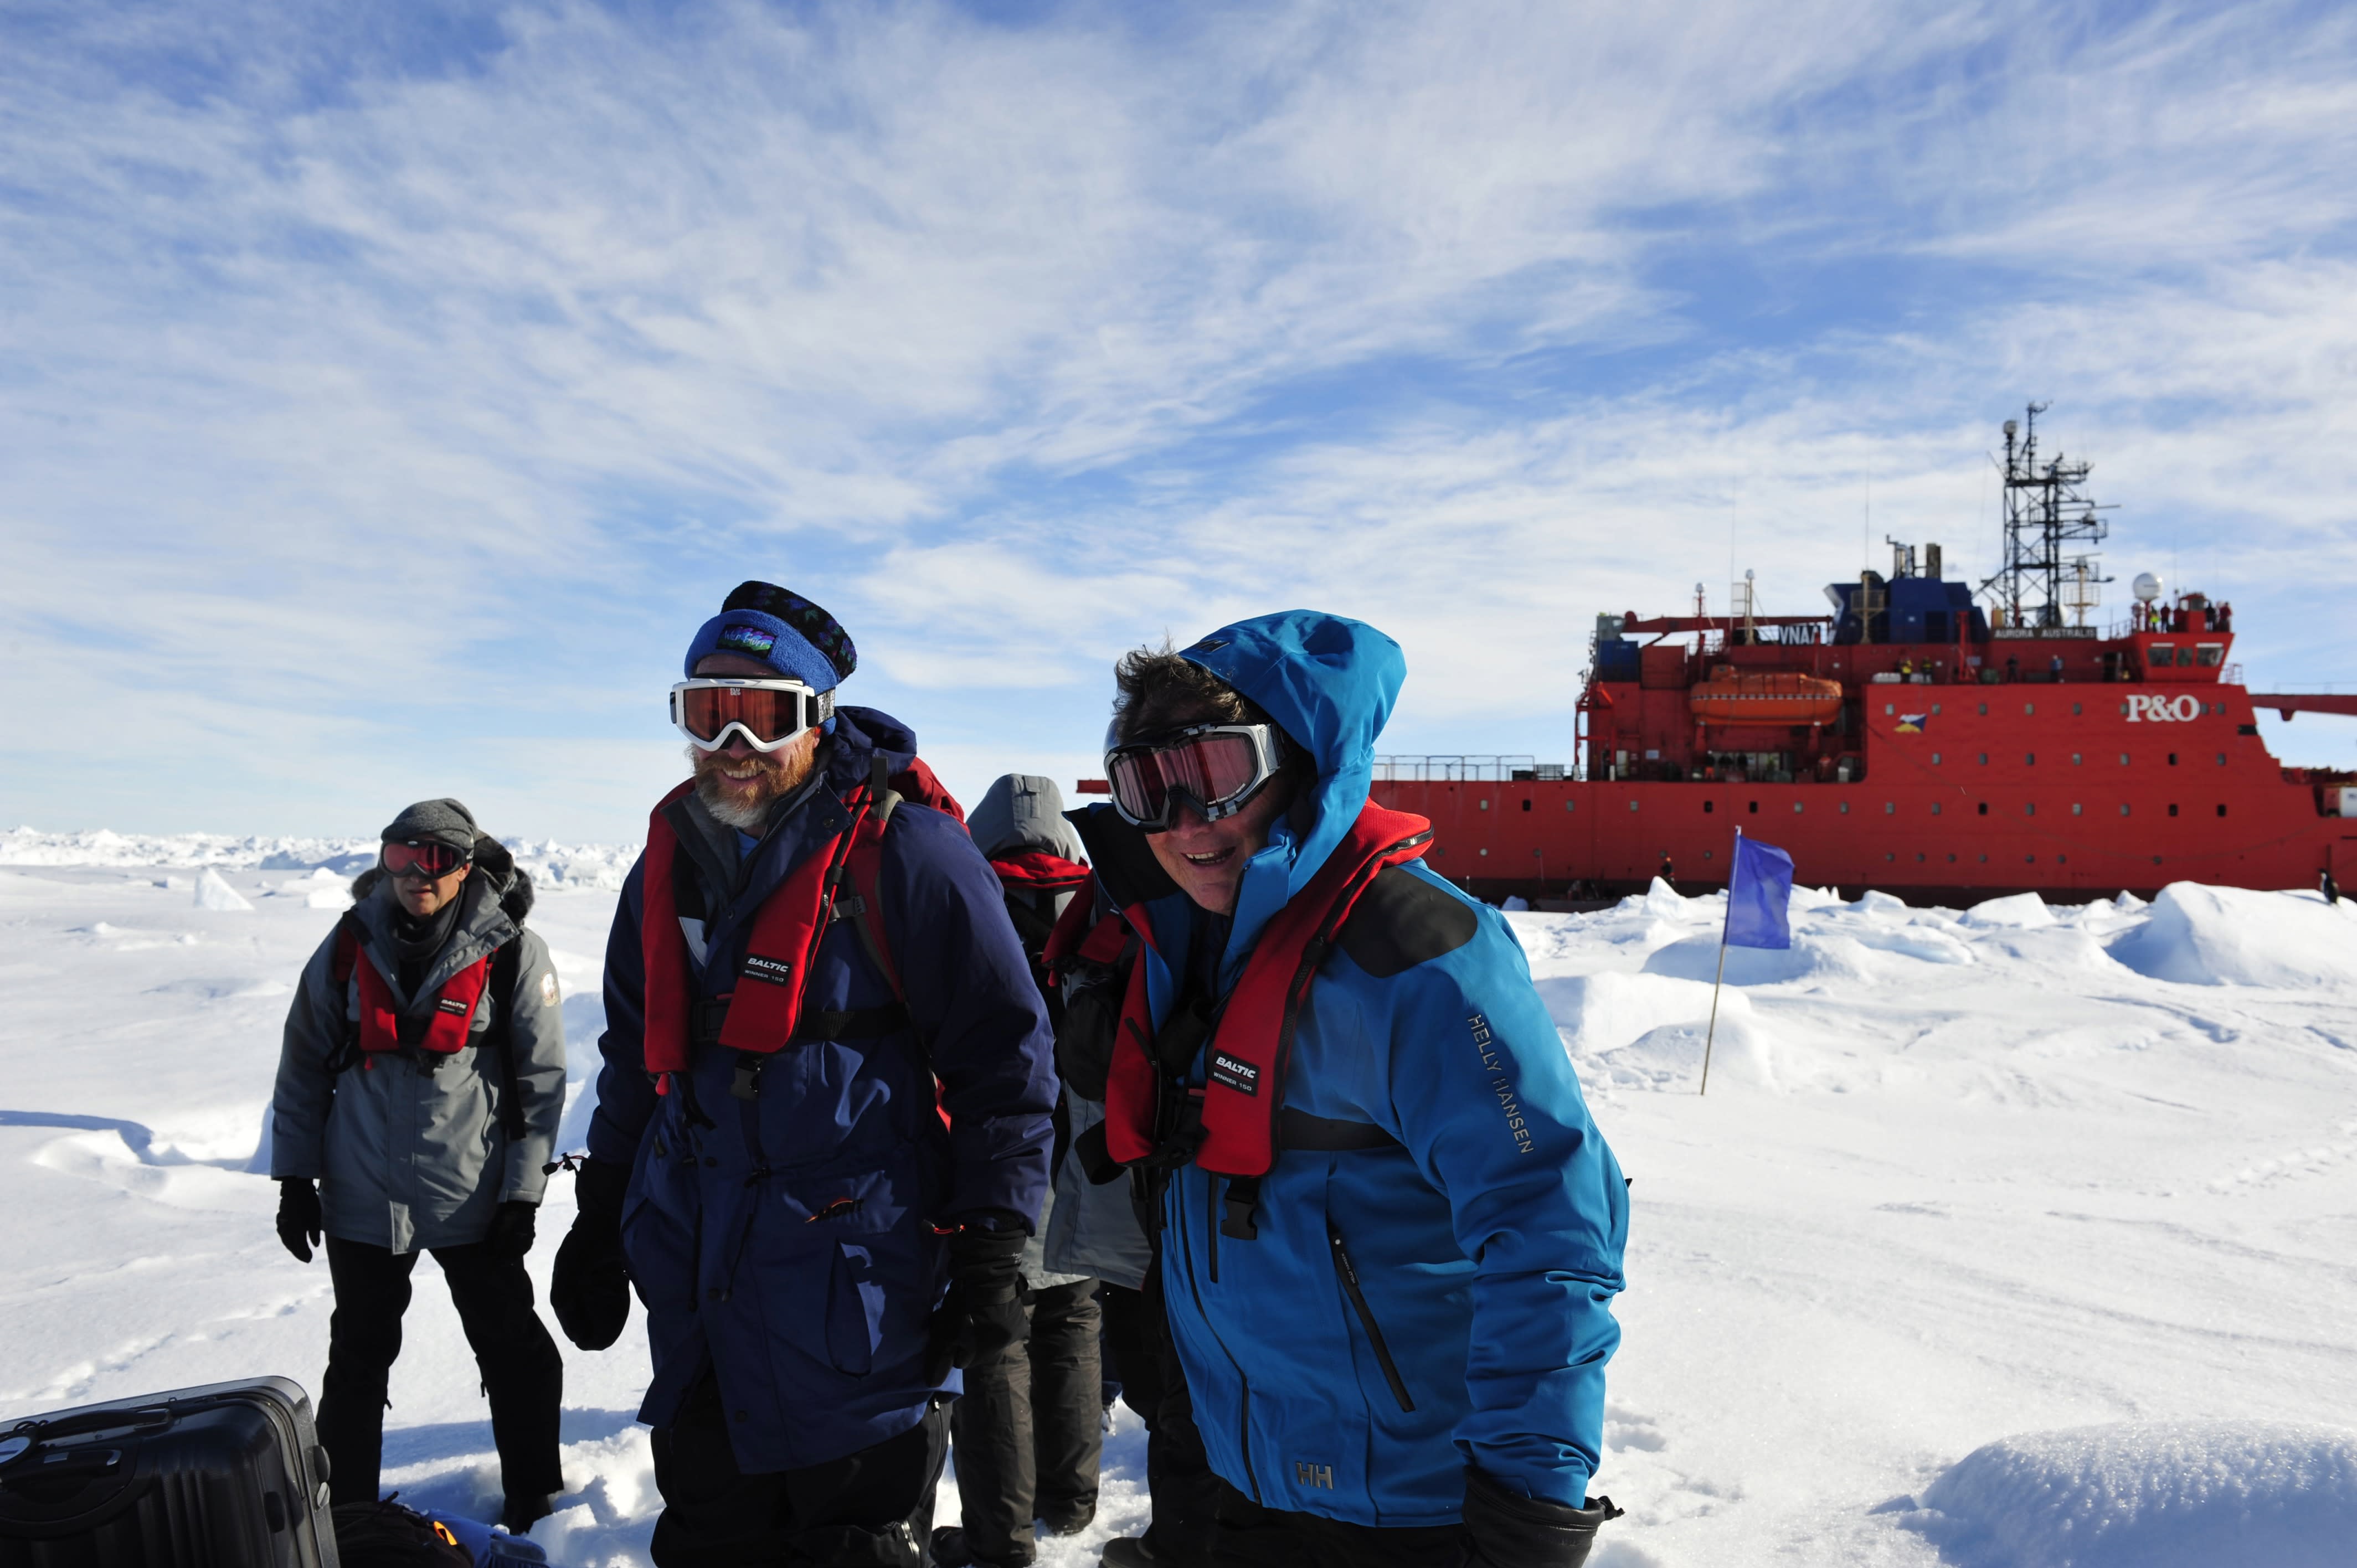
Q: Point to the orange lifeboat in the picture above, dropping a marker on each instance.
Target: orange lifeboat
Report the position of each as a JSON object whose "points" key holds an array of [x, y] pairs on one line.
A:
{"points": [[1728, 698]]}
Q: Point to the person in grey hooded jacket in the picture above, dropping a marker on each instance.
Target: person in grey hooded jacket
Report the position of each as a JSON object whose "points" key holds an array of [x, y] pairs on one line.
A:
{"points": [[1027, 1431], [419, 1089]]}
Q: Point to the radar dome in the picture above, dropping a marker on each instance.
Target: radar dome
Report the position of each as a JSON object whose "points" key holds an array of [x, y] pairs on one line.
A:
{"points": [[2147, 587]]}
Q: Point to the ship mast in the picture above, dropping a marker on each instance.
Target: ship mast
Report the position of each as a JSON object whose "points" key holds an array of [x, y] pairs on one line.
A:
{"points": [[2045, 511]]}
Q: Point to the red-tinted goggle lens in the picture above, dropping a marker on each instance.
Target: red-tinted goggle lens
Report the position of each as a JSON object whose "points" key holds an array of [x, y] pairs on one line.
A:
{"points": [[427, 858], [705, 711], [1209, 770]]}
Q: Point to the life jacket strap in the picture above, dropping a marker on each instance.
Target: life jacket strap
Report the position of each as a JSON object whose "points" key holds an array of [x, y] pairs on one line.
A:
{"points": [[1243, 1198]]}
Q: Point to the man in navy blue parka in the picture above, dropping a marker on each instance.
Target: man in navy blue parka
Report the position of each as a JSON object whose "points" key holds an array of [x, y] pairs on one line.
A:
{"points": [[1405, 1363], [791, 1224]]}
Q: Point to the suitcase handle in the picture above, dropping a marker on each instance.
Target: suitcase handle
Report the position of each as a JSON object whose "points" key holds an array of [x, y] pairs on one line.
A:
{"points": [[146, 1418]]}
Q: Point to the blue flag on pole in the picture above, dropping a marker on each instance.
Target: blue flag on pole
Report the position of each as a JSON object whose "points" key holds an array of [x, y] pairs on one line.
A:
{"points": [[1757, 894]]}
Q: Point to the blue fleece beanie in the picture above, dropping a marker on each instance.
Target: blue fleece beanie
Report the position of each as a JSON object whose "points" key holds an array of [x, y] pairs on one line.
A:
{"points": [[782, 630]]}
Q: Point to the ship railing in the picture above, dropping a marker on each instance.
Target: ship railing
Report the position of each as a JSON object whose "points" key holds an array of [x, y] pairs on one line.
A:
{"points": [[1467, 769]]}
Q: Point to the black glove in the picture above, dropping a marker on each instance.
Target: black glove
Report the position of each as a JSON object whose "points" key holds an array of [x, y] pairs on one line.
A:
{"points": [[983, 1312], [299, 1224], [1504, 1530], [511, 1232], [590, 1291]]}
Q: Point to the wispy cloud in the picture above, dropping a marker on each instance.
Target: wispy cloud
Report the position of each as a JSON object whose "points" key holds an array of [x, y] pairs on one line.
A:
{"points": [[380, 391]]}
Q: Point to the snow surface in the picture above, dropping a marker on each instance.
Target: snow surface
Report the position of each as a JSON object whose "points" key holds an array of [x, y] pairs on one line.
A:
{"points": [[2006, 1238]]}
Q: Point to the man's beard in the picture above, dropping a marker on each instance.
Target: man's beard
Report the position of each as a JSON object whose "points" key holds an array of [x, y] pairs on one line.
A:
{"points": [[744, 803]]}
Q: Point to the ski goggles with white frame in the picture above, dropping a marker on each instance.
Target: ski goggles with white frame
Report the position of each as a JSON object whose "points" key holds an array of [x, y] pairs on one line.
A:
{"points": [[1216, 769], [767, 714]]}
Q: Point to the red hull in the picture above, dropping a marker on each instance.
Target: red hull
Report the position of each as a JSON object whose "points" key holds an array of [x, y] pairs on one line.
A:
{"points": [[2071, 791]]}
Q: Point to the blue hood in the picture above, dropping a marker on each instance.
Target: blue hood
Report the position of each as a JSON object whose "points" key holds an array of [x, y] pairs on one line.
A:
{"points": [[1330, 683]]}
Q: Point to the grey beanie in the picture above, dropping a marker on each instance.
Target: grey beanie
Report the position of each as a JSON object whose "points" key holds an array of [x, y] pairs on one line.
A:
{"points": [[441, 821]]}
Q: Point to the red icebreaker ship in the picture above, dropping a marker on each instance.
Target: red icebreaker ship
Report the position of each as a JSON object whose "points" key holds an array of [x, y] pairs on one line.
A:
{"points": [[1910, 740]]}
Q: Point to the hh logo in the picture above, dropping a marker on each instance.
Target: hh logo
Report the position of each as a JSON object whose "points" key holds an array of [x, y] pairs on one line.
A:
{"points": [[1308, 1475], [776, 971]]}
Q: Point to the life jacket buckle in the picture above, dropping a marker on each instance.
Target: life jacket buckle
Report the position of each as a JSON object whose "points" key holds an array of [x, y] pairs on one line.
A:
{"points": [[747, 1083], [1242, 1201]]}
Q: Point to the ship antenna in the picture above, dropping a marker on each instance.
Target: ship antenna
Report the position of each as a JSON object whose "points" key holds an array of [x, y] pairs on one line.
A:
{"points": [[2045, 509]]}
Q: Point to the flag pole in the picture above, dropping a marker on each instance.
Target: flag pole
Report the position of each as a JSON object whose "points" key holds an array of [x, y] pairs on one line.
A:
{"points": [[1711, 1037]]}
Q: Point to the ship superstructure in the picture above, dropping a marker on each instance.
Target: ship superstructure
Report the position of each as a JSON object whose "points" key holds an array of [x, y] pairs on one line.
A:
{"points": [[1922, 736]]}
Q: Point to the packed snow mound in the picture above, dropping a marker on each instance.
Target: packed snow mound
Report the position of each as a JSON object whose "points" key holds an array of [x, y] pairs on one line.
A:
{"points": [[2151, 1495], [212, 893], [2023, 910], [2200, 935], [553, 866]]}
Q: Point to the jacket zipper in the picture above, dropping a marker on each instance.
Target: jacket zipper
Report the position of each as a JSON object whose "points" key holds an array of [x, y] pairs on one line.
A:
{"points": [[1176, 1188], [1211, 1222], [1349, 1278]]}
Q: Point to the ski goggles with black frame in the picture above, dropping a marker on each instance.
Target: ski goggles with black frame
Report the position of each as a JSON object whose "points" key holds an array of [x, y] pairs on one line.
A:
{"points": [[429, 858], [767, 714], [1216, 769]]}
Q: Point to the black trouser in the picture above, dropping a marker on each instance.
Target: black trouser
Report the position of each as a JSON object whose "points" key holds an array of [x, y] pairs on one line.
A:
{"points": [[873, 1508], [520, 1370], [1244, 1533], [1177, 1473], [1028, 1433]]}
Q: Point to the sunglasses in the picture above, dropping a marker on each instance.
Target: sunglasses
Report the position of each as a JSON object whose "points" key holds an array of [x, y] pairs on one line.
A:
{"points": [[1214, 767], [767, 714], [428, 858]]}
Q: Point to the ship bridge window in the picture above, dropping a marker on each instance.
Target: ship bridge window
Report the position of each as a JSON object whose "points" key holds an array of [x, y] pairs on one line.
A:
{"points": [[1984, 710], [1708, 807], [1526, 805], [1889, 808], [2030, 708], [1935, 710], [2163, 656], [1935, 808], [1935, 759], [1796, 805], [1485, 805], [1983, 759], [2124, 808], [2184, 657], [2074, 710], [2074, 759], [2222, 808], [2222, 760], [2029, 809], [1984, 807], [2076, 810], [1845, 808], [1755, 808], [2029, 759], [2124, 759], [2172, 808], [2172, 759]]}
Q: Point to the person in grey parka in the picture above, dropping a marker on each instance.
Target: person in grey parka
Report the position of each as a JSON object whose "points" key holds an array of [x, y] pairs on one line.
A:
{"points": [[419, 1090]]}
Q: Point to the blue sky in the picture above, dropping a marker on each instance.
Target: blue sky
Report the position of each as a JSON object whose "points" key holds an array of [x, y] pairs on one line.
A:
{"points": [[387, 393]]}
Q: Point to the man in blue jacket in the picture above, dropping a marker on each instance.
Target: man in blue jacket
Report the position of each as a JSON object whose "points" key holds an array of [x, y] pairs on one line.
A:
{"points": [[1391, 1235], [802, 950]]}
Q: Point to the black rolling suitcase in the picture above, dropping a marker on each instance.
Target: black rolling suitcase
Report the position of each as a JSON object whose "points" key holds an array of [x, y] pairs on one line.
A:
{"points": [[228, 1476]]}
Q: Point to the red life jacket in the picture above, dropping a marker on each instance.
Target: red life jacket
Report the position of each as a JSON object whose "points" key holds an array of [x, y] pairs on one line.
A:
{"points": [[1247, 1056], [453, 1004], [764, 1008]]}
